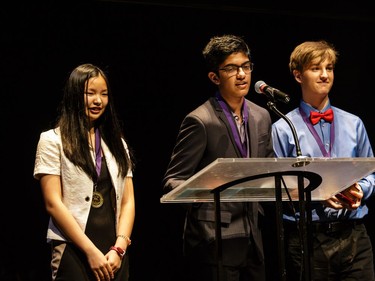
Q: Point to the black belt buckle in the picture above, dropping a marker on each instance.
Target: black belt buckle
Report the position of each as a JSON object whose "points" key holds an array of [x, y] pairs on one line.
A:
{"points": [[332, 227], [337, 226]]}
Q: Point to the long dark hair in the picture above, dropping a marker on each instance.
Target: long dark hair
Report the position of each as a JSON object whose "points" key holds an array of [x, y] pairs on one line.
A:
{"points": [[74, 123]]}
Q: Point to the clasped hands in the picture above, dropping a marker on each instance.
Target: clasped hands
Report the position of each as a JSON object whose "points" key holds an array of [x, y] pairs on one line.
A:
{"points": [[104, 267], [349, 198]]}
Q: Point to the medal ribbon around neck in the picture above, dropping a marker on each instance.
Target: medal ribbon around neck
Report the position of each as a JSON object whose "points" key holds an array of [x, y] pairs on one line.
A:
{"points": [[316, 136], [97, 197], [241, 146], [98, 152]]}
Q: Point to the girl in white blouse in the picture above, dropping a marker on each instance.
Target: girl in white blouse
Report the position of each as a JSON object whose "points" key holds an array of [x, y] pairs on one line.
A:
{"points": [[85, 170]]}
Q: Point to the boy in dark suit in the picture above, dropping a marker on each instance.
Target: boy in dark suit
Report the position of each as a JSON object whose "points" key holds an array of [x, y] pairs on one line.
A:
{"points": [[227, 125]]}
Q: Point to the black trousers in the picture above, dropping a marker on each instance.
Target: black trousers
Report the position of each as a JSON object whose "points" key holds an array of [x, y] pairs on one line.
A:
{"points": [[240, 262], [341, 252]]}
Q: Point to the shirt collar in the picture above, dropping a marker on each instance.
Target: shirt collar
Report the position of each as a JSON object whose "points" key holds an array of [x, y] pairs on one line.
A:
{"points": [[307, 108]]}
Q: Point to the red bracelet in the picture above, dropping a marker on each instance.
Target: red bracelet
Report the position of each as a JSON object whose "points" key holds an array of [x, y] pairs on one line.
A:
{"points": [[119, 251]]}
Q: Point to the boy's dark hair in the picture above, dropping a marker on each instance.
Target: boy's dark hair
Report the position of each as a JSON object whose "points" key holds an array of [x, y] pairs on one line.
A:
{"points": [[220, 47]]}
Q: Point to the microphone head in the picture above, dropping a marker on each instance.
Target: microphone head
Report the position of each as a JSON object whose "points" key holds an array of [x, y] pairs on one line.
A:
{"points": [[258, 86]]}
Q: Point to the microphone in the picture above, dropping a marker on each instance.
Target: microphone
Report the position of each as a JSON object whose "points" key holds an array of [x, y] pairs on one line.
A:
{"points": [[262, 88]]}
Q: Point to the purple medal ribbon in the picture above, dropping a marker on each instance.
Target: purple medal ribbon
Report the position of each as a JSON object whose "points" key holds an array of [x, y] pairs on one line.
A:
{"points": [[316, 136], [97, 198], [98, 152], [241, 146]]}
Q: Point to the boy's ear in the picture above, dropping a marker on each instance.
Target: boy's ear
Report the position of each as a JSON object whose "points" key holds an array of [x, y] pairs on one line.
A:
{"points": [[297, 75], [214, 78]]}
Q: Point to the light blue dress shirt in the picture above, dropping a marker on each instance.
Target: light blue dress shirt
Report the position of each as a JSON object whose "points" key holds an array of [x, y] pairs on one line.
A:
{"points": [[350, 140]]}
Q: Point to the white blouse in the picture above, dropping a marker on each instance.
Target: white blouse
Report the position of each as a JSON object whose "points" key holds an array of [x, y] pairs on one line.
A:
{"points": [[77, 187]]}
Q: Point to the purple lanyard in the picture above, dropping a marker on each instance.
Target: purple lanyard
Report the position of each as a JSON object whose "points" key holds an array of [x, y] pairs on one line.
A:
{"points": [[316, 136], [98, 152], [241, 146]]}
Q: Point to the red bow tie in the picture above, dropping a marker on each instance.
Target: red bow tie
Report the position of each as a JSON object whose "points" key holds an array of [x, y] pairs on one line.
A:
{"points": [[316, 116]]}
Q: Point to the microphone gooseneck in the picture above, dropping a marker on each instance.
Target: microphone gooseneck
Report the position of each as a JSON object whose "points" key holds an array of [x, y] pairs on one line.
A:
{"points": [[272, 106]]}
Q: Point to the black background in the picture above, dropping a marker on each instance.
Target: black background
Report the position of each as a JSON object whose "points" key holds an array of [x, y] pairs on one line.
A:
{"points": [[152, 52]]}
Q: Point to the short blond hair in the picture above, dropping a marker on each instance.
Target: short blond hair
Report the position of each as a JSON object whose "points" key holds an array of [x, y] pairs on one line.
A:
{"points": [[303, 55]]}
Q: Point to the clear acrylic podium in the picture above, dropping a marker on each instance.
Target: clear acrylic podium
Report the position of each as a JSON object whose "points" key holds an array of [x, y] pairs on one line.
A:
{"points": [[269, 179]]}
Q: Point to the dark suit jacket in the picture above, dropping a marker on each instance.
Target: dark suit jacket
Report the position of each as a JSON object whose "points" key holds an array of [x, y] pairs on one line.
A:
{"points": [[205, 135]]}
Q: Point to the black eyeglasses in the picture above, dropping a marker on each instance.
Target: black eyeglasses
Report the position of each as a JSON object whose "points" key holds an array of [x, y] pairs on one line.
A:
{"points": [[232, 69]]}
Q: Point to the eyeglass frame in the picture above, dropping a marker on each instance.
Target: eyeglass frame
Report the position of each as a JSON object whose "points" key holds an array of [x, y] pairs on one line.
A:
{"points": [[251, 68]]}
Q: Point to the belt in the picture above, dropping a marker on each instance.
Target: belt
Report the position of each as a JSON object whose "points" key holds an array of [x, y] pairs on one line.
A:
{"points": [[335, 226], [327, 227]]}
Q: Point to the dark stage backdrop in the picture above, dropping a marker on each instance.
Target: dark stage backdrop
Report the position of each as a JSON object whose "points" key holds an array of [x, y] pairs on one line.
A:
{"points": [[152, 52]]}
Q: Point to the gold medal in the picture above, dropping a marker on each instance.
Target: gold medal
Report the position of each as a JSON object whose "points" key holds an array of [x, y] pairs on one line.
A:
{"points": [[97, 199]]}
